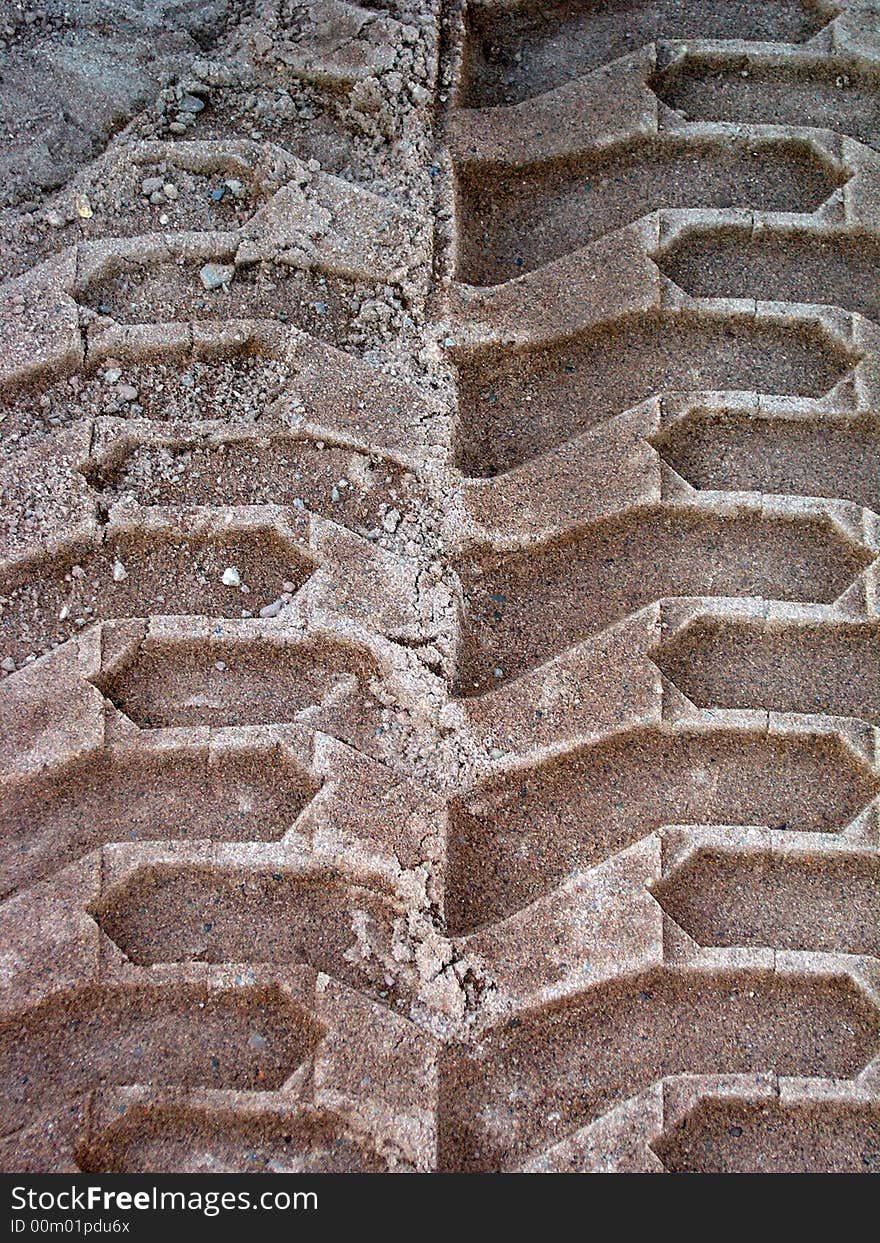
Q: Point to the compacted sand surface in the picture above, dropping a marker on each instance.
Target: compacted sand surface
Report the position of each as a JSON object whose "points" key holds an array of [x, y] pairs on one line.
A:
{"points": [[438, 634]]}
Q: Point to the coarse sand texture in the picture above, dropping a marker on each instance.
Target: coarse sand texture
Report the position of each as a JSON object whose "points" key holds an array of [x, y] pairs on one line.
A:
{"points": [[439, 637]]}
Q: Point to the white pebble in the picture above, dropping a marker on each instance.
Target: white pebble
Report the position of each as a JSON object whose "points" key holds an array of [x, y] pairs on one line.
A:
{"points": [[231, 577], [391, 521], [120, 573]]}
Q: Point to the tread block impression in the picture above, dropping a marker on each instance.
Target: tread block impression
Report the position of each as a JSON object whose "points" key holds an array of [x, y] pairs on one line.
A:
{"points": [[781, 665], [513, 220], [813, 1135], [834, 454], [516, 404], [218, 678], [219, 1137], [800, 898], [274, 914], [836, 93], [240, 793], [223, 469], [196, 569], [513, 51], [616, 1040], [184, 1034], [522, 833], [836, 269], [581, 582]]}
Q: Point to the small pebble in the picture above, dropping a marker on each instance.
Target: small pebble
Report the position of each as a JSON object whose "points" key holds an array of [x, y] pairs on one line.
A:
{"points": [[271, 610], [7, 664], [231, 577], [219, 665], [391, 521], [120, 573], [215, 275]]}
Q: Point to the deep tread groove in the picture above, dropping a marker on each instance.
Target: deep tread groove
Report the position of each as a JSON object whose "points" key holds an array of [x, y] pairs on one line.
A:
{"points": [[513, 220], [514, 405], [517, 51], [834, 269], [513, 839]]}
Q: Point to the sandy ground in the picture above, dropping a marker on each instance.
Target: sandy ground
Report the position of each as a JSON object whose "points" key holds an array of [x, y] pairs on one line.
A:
{"points": [[438, 614]]}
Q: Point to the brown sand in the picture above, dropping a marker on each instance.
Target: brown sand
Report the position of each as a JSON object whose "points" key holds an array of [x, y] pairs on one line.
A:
{"points": [[438, 602]]}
